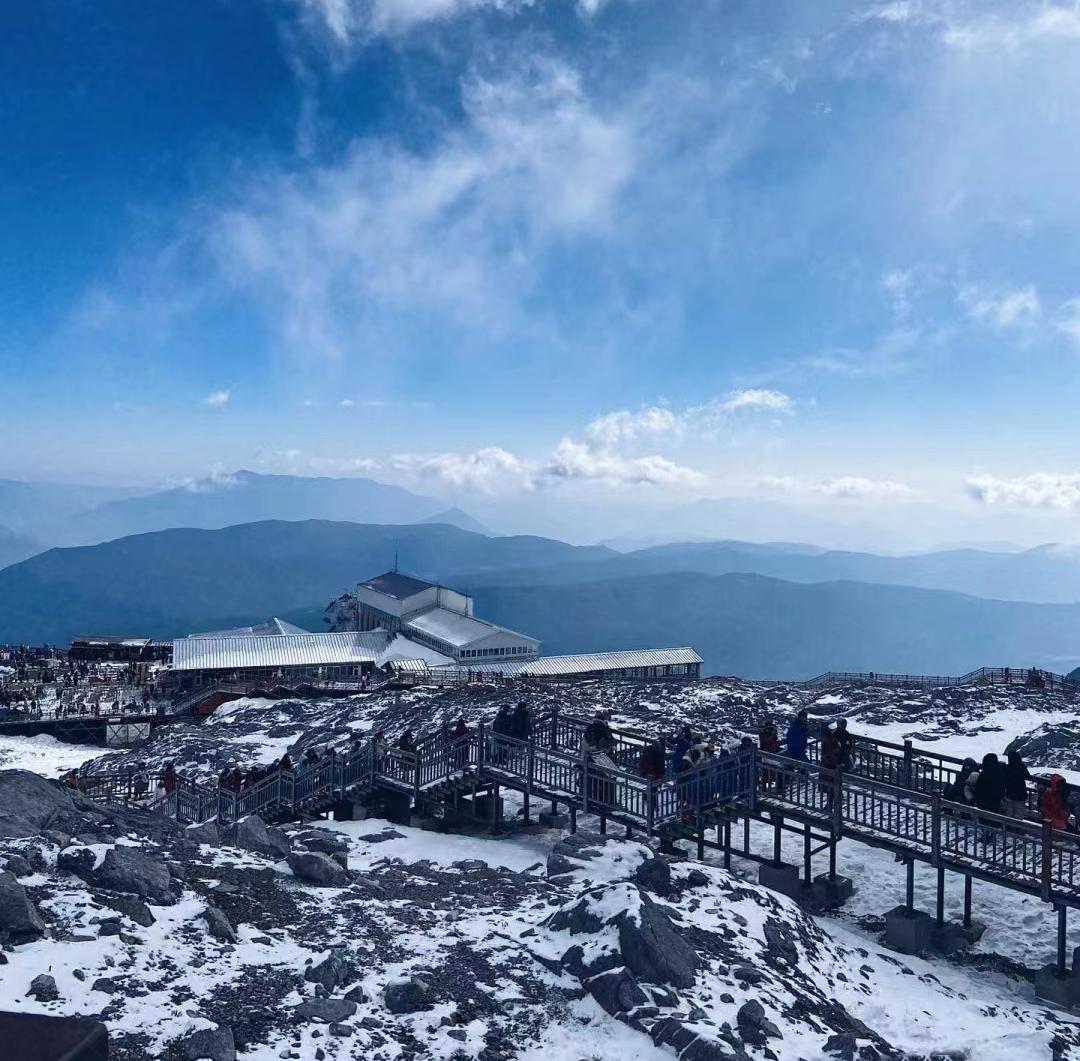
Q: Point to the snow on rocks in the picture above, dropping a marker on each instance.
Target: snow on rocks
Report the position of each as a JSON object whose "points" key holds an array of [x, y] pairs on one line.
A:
{"points": [[253, 834], [20, 921]]}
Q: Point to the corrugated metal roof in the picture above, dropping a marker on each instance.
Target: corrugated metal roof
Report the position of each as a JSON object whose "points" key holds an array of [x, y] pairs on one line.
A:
{"points": [[454, 628], [410, 666], [396, 585], [276, 627], [553, 666], [402, 648], [281, 650]]}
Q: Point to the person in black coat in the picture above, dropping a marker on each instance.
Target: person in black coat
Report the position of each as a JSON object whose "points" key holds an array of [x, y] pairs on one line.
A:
{"points": [[990, 789], [1017, 777]]}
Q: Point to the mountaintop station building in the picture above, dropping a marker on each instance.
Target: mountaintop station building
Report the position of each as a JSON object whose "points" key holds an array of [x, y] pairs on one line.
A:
{"points": [[399, 624]]}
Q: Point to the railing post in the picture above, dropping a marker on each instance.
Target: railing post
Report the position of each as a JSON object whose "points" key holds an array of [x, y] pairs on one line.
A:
{"points": [[1047, 869], [584, 782], [554, 727], [838, 804], [650, 810], [755, 775], [935, 829], [906, 774]]}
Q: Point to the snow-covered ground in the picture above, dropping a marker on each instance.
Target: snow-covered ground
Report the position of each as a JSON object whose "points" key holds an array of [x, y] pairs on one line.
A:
{"points": [[470, 912], [43, 754]]}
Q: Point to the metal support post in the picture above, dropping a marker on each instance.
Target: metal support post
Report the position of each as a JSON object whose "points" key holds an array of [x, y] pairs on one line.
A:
{"points": [[910, 897], [940, 895], [746, 835], [700, 837], [573, 818], [807, 870], [1061, 931], [967, 900], [777, 825]]}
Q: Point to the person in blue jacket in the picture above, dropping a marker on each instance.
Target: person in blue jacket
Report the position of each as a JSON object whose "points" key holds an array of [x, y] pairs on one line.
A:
{"points": [[796, 738]]}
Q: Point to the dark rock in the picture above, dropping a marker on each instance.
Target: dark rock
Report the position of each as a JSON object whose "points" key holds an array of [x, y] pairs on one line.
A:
{"points": [[56, 836], [324, 843], [77, 860], [131, 869], [357, 994], [110, 927], [841, 1045], [341, 1030], [17, 866], [460, 1034], [748, 974], [696, 879], [330, 1010], [406, 996], [753, 1027], [78, 974], [654, 874], [253, 834], [29, 803], [781, 942], [205, 833], [330, 973], [218, 925], [653, 950], [209, 1044], [43, 988], [19, 920], [321, 870], [130, 906], [130, 940], [106, 985], [617, 991]]}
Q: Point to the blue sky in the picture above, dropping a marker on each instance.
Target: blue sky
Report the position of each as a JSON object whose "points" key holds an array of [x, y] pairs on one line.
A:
{"points": [[628, 254]]}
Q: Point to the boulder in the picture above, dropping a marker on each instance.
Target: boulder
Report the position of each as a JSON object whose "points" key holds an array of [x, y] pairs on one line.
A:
{"points": [[331, 972], [206, 833], [209, 1044], [617, 991], [406, 996], [43, 988], [314, 868], [842, 1045], [19, 920], [106, 985], [330, 1010], [77, 860], [696, 879], [18, 866], [218, 925], [29, 803], [654, 875], [753, 1027], [325, 843], [253, 834], [131, 869], [129, 906]]}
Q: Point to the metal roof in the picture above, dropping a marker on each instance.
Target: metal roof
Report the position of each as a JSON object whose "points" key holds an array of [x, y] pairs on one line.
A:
{"points": [[279, 650], [396, 585], [402, 648], [98, 639], [552, 666], [410, 666], [274, 626], [456, 629]]}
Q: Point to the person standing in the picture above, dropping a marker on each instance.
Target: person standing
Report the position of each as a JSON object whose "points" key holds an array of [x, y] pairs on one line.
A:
{"points": [[1014, 803], [796, 738]]}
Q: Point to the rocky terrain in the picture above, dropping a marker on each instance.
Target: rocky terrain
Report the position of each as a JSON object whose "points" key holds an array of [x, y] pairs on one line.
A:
{"points": [[370, 940]]}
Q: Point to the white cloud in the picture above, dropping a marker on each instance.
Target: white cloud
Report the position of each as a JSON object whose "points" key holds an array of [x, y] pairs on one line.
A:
{"points": [[852, 487], [351, 22], [1026, 24], [459, 230], [771, 400], [576, 460], [615, 428], [217, 398], [346, 403], [490, 470], [1002, 310], [1038, 490], [1068, 321]]}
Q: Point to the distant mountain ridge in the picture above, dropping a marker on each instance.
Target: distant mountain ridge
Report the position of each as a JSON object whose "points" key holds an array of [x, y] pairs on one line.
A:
{"points": [[171, 583]]}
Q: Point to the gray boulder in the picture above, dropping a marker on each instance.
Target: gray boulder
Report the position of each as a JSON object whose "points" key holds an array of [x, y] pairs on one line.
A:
{"points": [[29, 803], [314, 868], [206, 833], [218, 925], [330, 1010], [331, 972], [753, 1027], [18, 866], [43, 988], [129, 906], [209, 1044], [77, 860], [106, 985], [326, 843], [253, 834], [617, 991], [654, 875], [19, 920], [131, 869], [406, 996]]}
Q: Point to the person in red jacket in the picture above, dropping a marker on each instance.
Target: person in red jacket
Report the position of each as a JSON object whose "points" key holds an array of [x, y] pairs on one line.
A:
{"points": [[168, 779], [1054, 805]]}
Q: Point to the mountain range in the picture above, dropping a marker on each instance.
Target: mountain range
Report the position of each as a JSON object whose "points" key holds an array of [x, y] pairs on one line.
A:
{"points": [[575, 598]]}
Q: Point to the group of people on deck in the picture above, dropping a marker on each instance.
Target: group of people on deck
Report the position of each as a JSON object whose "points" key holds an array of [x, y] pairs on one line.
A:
{"points": [[998, 787]]}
